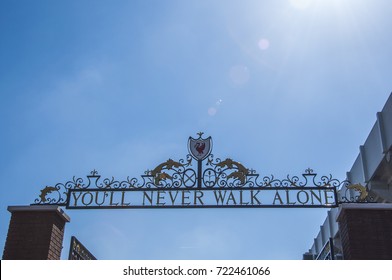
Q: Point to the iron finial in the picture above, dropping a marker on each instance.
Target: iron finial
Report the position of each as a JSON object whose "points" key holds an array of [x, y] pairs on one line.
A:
{"points": [[200, 134]]}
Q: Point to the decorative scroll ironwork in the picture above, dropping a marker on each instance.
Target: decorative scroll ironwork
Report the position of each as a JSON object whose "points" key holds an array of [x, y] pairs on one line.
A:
{"points": [[200, 170], [355, 193]]}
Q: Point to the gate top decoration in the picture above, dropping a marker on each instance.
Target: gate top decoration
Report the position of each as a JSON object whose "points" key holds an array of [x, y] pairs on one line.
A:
{"points": [[202, 181]]}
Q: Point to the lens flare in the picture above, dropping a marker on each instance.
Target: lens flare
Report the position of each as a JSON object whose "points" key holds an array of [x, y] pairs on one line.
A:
{"points": [[212, 111], [263, 44], [239, 74]]}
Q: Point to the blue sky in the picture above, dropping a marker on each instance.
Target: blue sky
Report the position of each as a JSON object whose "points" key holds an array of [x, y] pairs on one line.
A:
{"points": [[119, 86]]}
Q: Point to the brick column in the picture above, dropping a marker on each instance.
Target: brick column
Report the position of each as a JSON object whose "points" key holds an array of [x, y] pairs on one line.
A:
{"points": [[35, 233], [366, 231]]}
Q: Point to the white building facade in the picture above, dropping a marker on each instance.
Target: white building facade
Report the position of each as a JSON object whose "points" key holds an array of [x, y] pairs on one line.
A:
{"points": [[372, 169]]}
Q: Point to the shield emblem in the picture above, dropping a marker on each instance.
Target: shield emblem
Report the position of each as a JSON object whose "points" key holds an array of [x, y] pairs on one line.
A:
{"points": [[200, 148]]}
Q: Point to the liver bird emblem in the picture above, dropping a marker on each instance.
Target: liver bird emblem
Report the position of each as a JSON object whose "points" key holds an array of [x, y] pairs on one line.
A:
{"points": [[200, 147]]}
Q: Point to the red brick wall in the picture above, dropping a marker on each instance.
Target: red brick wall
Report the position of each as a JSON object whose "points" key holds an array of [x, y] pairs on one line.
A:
{"points": [[34, 235], [366, 234]]}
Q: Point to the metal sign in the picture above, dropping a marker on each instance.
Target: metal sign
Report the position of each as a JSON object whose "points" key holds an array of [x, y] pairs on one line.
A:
{"points": [[77, 251], [202, 181]]}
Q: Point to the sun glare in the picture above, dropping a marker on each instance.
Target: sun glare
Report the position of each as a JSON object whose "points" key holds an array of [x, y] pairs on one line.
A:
{"points": [[300, 4], [324, 5]]}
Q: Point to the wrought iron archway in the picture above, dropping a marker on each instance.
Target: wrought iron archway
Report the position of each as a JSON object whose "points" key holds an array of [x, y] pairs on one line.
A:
{"points": [[203, 181]]}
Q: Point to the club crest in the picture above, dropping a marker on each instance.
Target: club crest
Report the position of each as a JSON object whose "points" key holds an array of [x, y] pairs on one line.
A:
{"points": [[200, 148]]}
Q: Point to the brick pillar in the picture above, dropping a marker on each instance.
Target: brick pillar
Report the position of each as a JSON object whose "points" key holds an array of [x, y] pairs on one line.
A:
{"points": [[366, 231], [35, 233]]}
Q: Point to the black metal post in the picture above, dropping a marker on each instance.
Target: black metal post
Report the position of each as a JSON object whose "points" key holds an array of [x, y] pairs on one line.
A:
{"points": [[199, 174]]}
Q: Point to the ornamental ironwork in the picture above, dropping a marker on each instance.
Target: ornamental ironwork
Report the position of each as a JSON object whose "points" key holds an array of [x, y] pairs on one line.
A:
{"points": [[203, 181]]}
